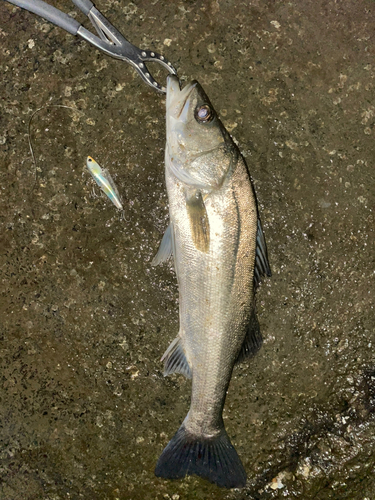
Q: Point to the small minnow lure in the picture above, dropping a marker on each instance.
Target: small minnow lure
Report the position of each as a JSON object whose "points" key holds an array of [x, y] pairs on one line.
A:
{"points": [[104, 180]]}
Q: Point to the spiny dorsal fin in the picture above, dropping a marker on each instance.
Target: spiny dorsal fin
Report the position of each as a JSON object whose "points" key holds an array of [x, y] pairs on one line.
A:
{"points": [[198, 218], [261, 266], [175, 360]]}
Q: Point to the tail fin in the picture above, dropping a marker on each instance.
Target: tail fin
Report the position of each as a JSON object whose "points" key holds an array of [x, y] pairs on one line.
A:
{"points": [[214, 459]]}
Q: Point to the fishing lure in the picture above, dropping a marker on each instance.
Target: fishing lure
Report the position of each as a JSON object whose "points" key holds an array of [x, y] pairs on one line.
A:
{"points": [[104, 180]]}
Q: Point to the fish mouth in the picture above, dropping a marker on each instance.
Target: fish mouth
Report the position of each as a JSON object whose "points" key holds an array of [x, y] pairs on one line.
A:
{"points": [[178, 100]]}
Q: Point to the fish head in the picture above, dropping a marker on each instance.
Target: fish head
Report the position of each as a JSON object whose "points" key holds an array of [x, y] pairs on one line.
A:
{"points": [[194, 131]]}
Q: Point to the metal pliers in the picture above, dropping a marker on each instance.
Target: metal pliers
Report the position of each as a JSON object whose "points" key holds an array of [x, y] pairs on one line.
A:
{"points": [[111, 41]]}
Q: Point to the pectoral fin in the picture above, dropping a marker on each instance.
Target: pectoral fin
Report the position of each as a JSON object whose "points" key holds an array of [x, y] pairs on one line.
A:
{"points": [[165, 248], [198, 219]]}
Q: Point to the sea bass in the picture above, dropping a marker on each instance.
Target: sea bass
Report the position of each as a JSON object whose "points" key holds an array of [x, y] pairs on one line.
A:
{"points": [[220, 254]]}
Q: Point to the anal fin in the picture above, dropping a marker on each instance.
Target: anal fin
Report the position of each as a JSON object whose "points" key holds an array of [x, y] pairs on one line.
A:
{"points": [[175, 359]]}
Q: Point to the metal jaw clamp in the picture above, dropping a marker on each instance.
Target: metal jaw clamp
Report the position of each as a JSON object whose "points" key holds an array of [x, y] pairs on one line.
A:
{"points": [[110, 40]]}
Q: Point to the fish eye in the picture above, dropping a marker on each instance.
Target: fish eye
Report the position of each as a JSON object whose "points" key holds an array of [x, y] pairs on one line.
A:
{"points": [[204, 113]]}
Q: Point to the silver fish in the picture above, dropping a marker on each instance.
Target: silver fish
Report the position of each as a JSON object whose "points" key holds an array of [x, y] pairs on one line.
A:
{"points": [[220, 255]]}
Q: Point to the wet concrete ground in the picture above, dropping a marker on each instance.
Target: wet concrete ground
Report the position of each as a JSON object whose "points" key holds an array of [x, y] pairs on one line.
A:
{"points": [[84, 408]]}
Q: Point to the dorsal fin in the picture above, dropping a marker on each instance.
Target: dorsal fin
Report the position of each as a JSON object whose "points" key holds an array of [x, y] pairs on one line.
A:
{"points": [[261, 266], [253, 340]]}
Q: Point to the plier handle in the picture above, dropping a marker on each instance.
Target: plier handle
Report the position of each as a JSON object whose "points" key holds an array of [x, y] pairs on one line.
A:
{"points": [[110, 40]]}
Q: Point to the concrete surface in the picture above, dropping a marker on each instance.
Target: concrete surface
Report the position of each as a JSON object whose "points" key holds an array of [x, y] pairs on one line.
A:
{"points": [[84, 408]]}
